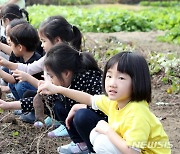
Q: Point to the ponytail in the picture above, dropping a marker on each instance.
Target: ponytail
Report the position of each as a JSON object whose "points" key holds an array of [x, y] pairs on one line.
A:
{"points": [[23, 11], [77, 40]]}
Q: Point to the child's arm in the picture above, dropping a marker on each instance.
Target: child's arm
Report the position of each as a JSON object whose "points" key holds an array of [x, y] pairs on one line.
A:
{"points": [[7, 77], [104, 128], [10, 105], [79, 96], [5, 48], [23, 76], [8, 64]]}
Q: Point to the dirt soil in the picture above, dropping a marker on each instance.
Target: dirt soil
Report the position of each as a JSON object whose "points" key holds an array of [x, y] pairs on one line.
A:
{"points": [[17, 137]]}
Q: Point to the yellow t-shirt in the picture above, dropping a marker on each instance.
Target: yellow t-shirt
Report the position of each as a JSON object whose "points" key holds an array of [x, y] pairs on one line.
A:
{"points": [[136, 124], [20, 3]]}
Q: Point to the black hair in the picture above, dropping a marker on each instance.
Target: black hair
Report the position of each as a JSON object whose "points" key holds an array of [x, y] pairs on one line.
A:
{"points": [[62, 57], [136, 67], [26, 35], [15, 22], [13, 11], [57, 26]]}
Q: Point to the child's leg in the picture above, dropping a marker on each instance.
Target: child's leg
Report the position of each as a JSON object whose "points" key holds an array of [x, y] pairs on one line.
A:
{"points": [[84, 121], [102, 144], [39, 108], [22, 87], [61, 113], [13, 91]]}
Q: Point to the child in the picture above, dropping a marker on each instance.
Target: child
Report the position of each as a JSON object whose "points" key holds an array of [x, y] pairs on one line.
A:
{"points": [[23, 41], [131, 127], [69, 68], [7, 14]]}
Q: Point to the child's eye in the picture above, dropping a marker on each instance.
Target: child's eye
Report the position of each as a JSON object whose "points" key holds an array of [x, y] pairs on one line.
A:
{"points": [[108, 76], [121, 78]]}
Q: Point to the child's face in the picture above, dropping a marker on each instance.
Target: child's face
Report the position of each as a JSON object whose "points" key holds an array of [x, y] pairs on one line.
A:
{"points": [[118, 85], [15, 49], [46, 43], [55, 80]]}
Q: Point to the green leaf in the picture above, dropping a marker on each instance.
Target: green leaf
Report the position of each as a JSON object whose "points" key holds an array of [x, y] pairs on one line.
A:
{"points": [[15, 133]]}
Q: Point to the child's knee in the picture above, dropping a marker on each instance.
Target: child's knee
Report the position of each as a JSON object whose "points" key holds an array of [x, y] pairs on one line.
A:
{"points": [[102, 144], [20, 86]]}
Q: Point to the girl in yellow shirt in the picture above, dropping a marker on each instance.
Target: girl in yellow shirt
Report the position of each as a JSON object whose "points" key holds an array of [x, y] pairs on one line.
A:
{"points": [[131, 127]]}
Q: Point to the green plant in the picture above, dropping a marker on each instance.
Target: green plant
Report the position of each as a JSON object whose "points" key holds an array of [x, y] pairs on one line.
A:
{"points": [[160, 3], [15, 133], [113, 19], [168, 65]]}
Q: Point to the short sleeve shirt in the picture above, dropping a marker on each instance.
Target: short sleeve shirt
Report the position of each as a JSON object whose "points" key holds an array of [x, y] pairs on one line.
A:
{"points": [[136, 124]]}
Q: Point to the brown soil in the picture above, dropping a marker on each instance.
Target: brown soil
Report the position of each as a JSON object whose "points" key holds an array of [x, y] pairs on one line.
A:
{"points": [[17, 137]]}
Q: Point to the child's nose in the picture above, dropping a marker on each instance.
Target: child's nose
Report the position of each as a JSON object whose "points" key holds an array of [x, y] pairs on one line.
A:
{"points": [[113, 83]]}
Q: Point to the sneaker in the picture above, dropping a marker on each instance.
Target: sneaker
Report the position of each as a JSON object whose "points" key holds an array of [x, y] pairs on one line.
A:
{"points": [[61, 131], [18, 112], [48, 122], [29, 117], [10, 96], [76, 148]]}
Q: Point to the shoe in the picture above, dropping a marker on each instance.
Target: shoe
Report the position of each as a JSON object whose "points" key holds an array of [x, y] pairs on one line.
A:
{"points": [[29, 117], [10, 96], [61, 131], [18, 112], [48, 122], [73, 148]]}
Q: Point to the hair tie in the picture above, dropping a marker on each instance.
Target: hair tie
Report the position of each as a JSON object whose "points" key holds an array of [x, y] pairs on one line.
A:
{"points": [[79, 53]]}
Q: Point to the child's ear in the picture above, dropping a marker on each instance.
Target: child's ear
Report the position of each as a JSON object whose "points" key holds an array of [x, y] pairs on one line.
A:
{"points": [[68, 74], [57, 40], [21, 47], [67, 77]]}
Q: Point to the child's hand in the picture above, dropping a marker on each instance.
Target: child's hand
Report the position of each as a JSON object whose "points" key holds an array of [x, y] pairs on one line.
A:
{"points": [[47, 88], [72, 113], [41, 82], [20, 75], [102, 127]]}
